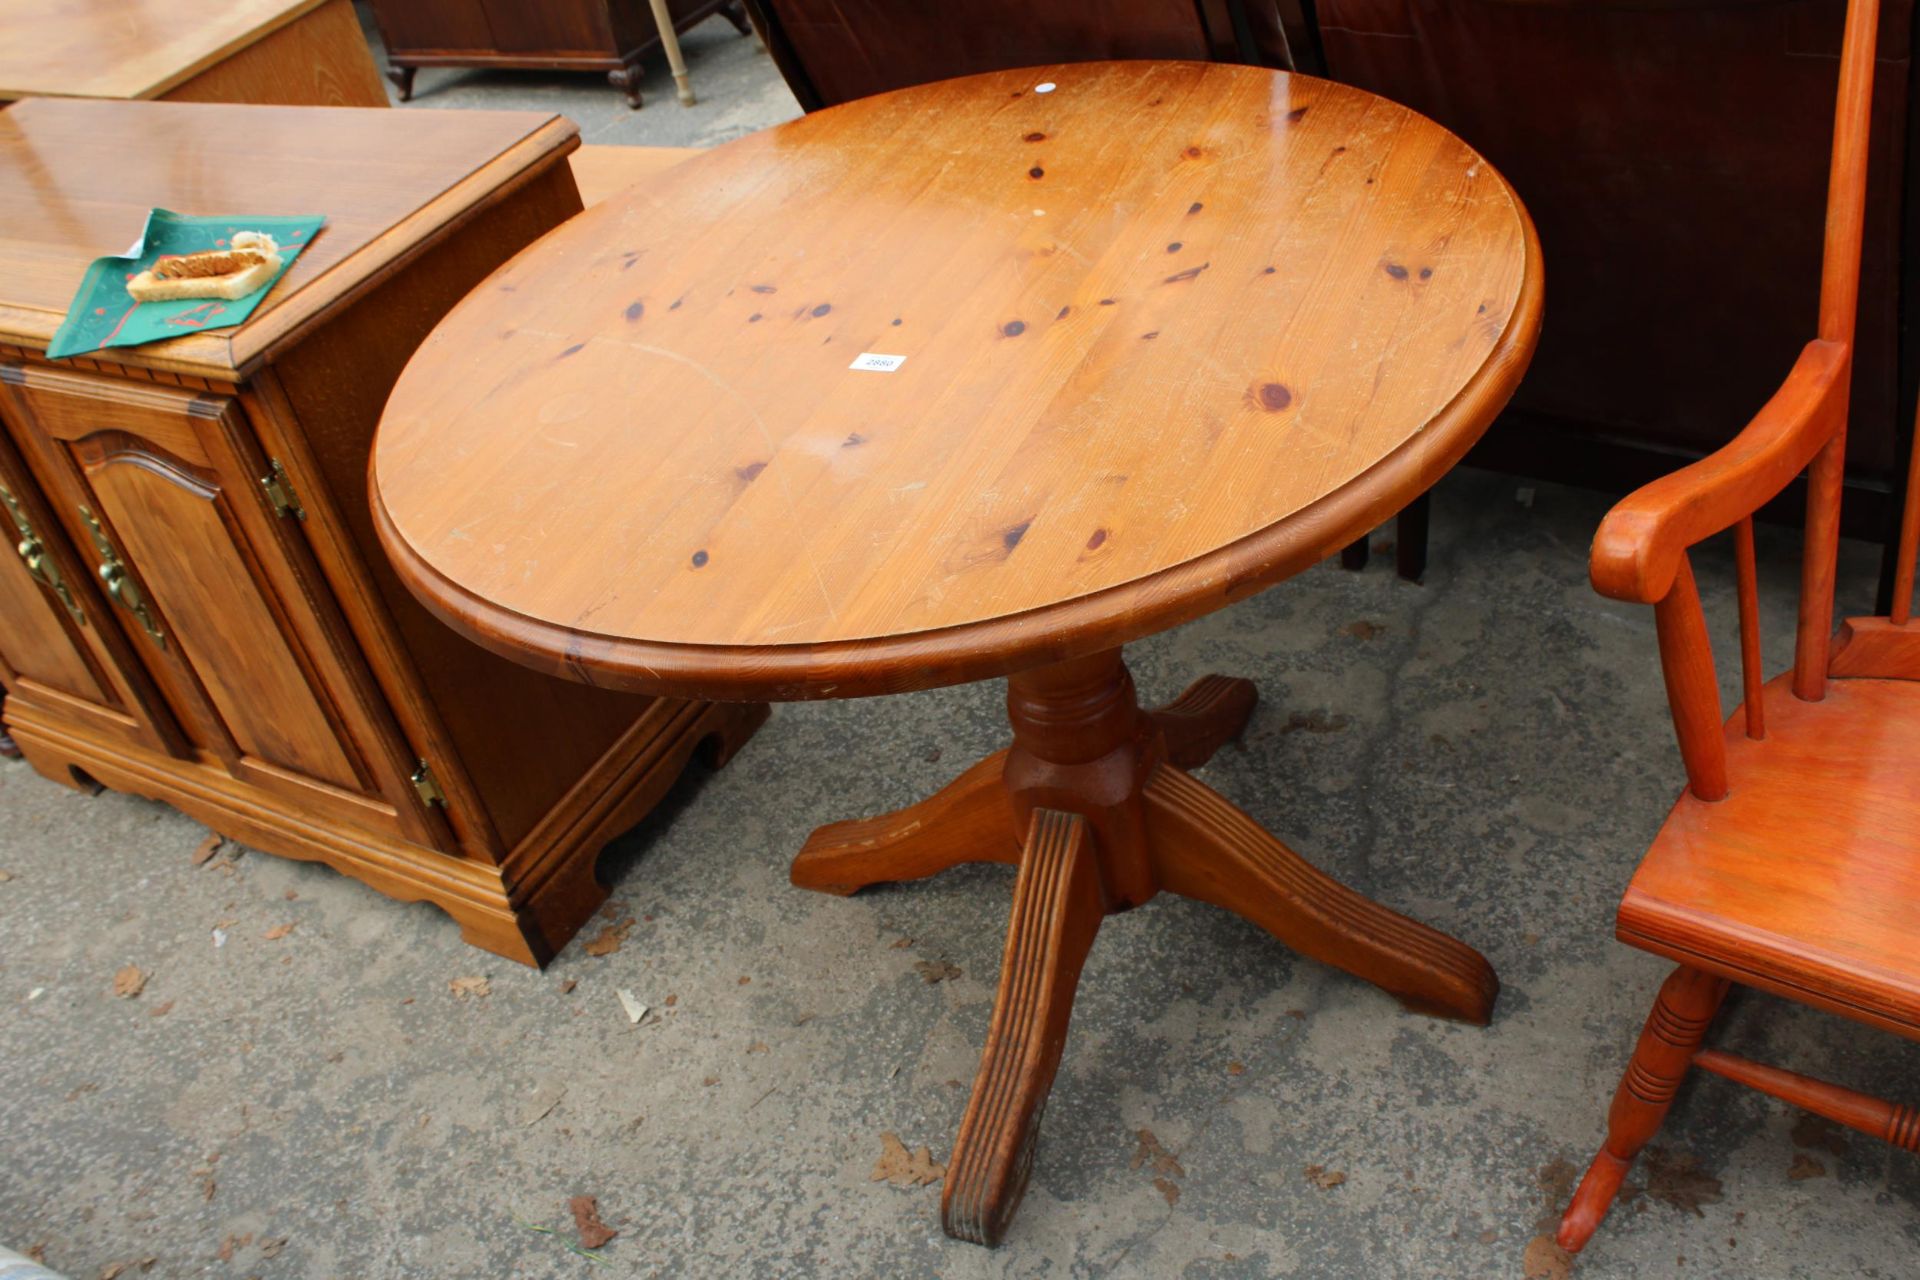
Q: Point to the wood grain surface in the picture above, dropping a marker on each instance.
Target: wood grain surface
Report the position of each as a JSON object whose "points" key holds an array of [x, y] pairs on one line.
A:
{"points": [[1171, 331], [126, 48], [78, 177]]}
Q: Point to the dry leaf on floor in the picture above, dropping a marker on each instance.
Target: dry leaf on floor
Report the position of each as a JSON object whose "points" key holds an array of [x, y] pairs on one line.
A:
{"points": [[160, 1010], [113, 1270], [1324, 1178], [760, 1046], [1557, 1179], [1315, 721], [1546, 1260], [1817, 1133], [631, 1003], [270, 1246], [900, 944], [903, 1168], [5, 876], [1170, 1190], [566, 987], [208, 847], [232, 1243], [476, 986], [1236, 1068], [937, 970], [608, 940], [129, 982], [278, 932], [1164, 1161], [1805, 1166], [1363, 630], [1676, 1178], [586, 1220]]}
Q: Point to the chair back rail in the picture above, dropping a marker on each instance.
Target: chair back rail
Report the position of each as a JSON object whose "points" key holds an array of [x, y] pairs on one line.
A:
{"points": [[1641, 552]]}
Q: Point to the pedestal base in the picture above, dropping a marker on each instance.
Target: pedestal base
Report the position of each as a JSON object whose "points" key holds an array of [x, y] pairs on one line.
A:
{"points": [[1094, 804]]}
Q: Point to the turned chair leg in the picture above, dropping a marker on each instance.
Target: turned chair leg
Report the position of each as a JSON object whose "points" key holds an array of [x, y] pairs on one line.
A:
{"points": [[1681, 1015]]}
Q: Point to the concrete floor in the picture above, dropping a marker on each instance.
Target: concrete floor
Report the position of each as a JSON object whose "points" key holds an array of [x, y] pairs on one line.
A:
{"points": [[1492, 759], [734, 81], [1490, 754]]}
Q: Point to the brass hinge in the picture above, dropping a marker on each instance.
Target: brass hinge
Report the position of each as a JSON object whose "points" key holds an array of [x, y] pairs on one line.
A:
{"points": [[281, 495], [427, 786]]}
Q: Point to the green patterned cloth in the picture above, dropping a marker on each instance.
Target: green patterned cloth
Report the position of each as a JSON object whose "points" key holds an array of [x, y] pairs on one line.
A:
{"points": [[104, 314]]}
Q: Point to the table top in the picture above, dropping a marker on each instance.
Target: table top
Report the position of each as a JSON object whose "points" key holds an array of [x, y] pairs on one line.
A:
{"points": [[126, 48], [1171, 332], [78, 177]]}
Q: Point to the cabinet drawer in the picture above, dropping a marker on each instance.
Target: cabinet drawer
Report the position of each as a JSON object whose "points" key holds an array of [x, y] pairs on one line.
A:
{"points": [[162, 489]]}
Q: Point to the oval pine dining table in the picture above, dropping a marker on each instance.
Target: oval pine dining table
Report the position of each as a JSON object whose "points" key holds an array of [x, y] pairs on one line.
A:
{"points": [[984, 378]]}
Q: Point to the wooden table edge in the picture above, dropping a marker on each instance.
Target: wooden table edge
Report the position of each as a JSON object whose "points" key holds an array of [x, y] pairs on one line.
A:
{"points": [[231, 355], [219, 53], [994, 647]]}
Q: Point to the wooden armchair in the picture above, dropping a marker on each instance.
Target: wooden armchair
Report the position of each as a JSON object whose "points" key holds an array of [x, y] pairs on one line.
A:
{"points": [[1792, 861], [832, 51]]}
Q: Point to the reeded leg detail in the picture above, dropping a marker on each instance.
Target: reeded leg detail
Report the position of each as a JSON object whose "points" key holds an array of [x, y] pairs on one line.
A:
{"points": [[1681, 1015], [969, 820], [1057, 909], [1210, 714], [1109, 817], [1204, 847]]}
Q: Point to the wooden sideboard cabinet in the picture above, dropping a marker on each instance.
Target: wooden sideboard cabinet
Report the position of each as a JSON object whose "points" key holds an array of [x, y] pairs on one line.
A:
{"points": [[557, 35], [198, 610]]}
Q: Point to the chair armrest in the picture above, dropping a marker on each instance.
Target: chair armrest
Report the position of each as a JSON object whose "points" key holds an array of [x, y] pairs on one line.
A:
{"points": [[1637, 551]]}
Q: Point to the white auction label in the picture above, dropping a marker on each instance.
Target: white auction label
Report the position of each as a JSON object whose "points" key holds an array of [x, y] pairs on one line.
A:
{"points": [[874, 362]]}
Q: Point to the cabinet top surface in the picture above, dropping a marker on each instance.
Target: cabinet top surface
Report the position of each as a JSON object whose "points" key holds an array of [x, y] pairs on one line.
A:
{"points": [[1168, 329], [126, 48], [78, 177]]}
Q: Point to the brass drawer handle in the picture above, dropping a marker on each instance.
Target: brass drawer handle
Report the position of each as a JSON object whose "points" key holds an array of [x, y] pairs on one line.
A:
{"points": [[33, 553], [120, 584]]}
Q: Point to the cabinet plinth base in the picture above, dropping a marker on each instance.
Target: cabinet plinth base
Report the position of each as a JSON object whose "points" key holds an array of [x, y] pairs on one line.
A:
{"points": [[526, 908]]}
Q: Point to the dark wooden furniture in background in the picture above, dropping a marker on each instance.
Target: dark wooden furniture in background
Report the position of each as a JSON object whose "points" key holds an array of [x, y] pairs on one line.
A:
{"points": [[556, 35], [1673, 153], [1789, 862], [1140, 382], [207, 619], [287, 52], [834, 51]]}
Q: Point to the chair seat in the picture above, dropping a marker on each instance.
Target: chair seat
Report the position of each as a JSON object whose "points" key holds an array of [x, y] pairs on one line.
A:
{"points": [[1805, 880]]}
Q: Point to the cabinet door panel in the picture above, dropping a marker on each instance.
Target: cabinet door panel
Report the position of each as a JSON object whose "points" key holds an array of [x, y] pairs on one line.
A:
{"points": [[175, 523], [60, 645], [163, 488]]}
